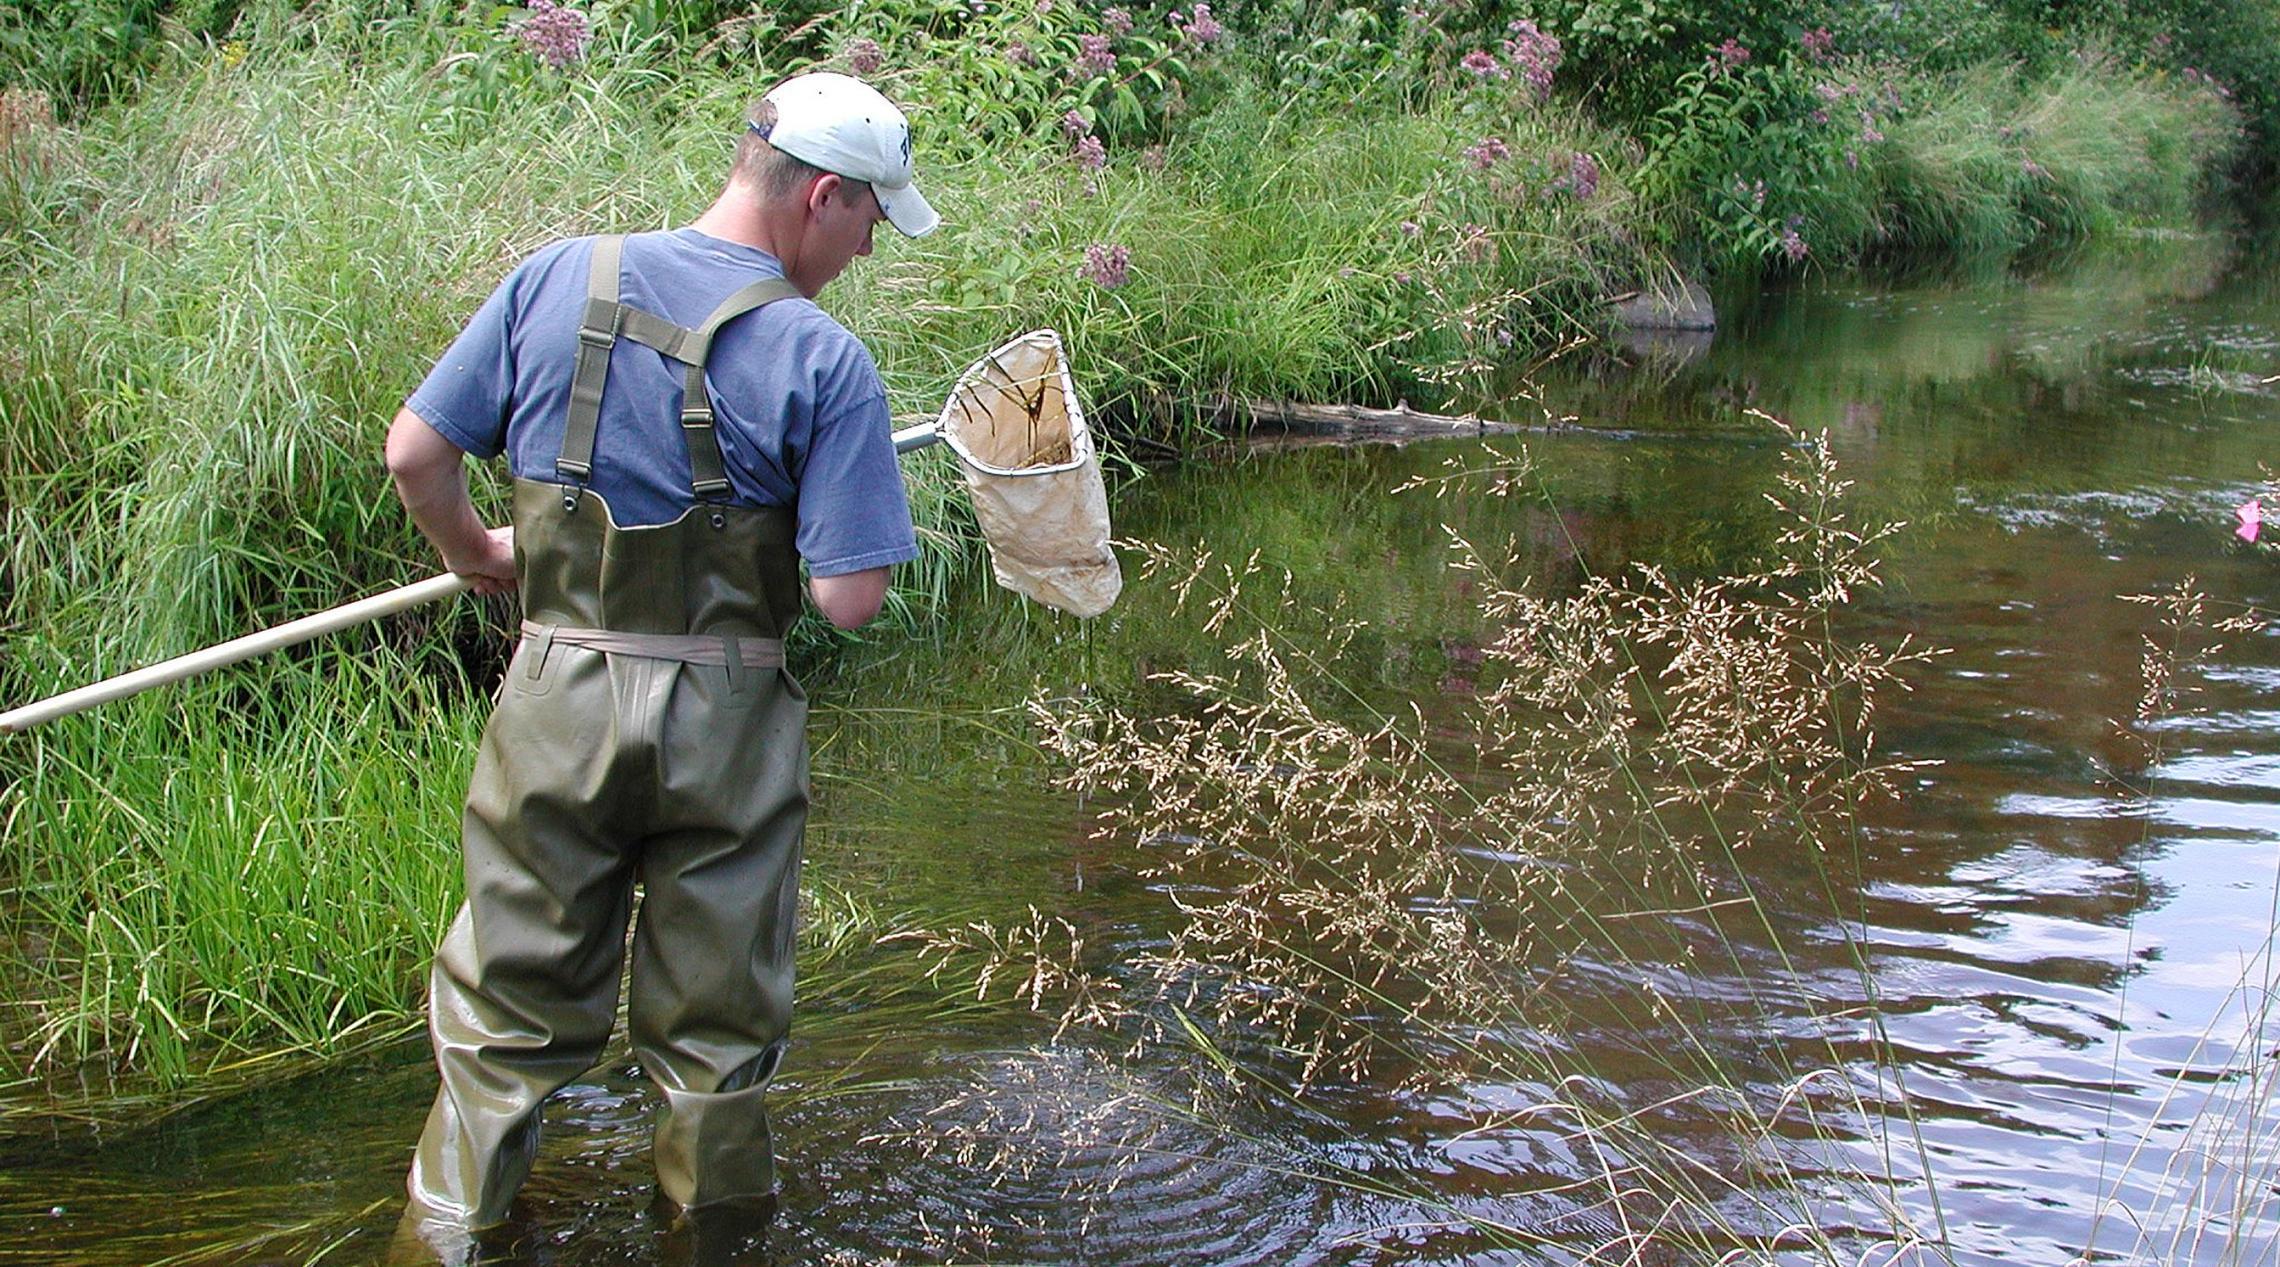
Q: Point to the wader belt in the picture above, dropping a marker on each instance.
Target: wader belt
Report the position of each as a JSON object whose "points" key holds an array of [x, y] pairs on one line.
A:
{"points": [[716, 650], [605, 320]]}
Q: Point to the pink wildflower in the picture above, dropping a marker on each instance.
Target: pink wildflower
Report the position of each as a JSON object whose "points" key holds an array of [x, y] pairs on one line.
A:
{"points": [[1020, 54], [1410, 229], [1793, 243], [864, 57], [1475, 244], [1117, 21], [1534, 54], [1582, 179], [1107, 265], [1074, 125], [1868, 133], [1731, 54], [1479, 63], [1089, 154], [1094, 55], [1202, 28], [2251, 513], [1153, 159], [1488, 152], [1819, 44], [553, 34]]}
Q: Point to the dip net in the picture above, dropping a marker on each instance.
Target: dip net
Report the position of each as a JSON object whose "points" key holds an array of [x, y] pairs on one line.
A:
{"points": [[1020, 436]]}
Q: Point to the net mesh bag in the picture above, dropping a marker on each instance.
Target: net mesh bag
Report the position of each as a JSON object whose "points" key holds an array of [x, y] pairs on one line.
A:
{"points": [[1020, 436]]}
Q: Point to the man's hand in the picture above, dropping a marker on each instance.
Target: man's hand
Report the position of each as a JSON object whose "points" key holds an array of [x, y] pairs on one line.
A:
{"points": [[431, 478], [491, 570]]}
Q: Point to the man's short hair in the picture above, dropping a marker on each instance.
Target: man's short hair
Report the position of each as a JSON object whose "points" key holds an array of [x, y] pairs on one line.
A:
{"points": [[768, 169]]}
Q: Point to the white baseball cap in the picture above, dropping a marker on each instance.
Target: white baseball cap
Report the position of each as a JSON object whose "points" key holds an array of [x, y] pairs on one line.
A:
{"points": [[845, 127]]}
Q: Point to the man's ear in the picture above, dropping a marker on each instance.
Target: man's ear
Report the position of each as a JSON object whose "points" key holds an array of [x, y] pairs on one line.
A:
{"points": [[825, 188]]}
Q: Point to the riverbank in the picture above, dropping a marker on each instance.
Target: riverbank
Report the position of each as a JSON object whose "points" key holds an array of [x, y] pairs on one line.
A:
{"points": [[224, 280]]}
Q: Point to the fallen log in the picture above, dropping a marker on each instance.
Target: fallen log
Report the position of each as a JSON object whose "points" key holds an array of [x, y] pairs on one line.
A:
{"points": [[1287, 423]]}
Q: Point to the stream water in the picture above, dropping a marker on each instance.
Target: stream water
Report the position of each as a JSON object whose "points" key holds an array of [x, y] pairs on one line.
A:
{"points": [[2074, 981]]}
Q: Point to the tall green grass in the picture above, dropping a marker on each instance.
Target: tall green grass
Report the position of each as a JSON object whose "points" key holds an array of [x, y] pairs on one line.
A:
{"points": [[1990, 163], [249, 865]]}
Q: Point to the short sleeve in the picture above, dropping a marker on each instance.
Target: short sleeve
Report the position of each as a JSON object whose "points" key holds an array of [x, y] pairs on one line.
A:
{"points": [[853, 513], [466, 397]]}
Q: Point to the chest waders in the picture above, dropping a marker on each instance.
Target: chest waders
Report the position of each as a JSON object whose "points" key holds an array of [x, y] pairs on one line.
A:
{"points": [[646, 730]]}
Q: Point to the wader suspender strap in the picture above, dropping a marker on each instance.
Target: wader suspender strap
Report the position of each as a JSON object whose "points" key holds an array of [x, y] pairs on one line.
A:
{"points": [[597, 334], [605, 319], [707, 474]]}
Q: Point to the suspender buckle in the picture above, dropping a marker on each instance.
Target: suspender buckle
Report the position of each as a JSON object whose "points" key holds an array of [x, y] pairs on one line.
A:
{"points": [[578, 473], [595, 335], [709, 489], [695, 416]]}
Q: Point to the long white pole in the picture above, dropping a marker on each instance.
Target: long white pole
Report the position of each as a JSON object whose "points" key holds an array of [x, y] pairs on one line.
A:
{"points": [[236, 649], [285, 635]]}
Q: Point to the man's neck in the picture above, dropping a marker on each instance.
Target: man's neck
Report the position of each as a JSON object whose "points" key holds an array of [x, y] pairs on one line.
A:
{"points": [[737, 217]]}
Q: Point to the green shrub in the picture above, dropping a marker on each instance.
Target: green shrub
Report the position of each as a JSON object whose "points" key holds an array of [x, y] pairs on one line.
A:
{"points": [[1785, 161], [2234, 43], [83, 51]]}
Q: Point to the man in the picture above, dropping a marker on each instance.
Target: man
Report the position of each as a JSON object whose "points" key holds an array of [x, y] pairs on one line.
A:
{"points": [[684, 426]]}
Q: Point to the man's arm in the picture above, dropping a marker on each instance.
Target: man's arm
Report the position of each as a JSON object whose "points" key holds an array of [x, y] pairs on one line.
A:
{"points": [[431, 479], [851, 598]]}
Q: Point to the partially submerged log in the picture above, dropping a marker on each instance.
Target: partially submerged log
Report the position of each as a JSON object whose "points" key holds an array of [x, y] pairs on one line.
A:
{"points": [[1288, 423]]}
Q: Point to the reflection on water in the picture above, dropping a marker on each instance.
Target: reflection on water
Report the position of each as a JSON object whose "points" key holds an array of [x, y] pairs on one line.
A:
{"points": [[2067, 934]]}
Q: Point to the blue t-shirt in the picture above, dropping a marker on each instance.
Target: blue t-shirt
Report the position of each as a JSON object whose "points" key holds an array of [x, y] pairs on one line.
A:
{"points": [[800, 411]]}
